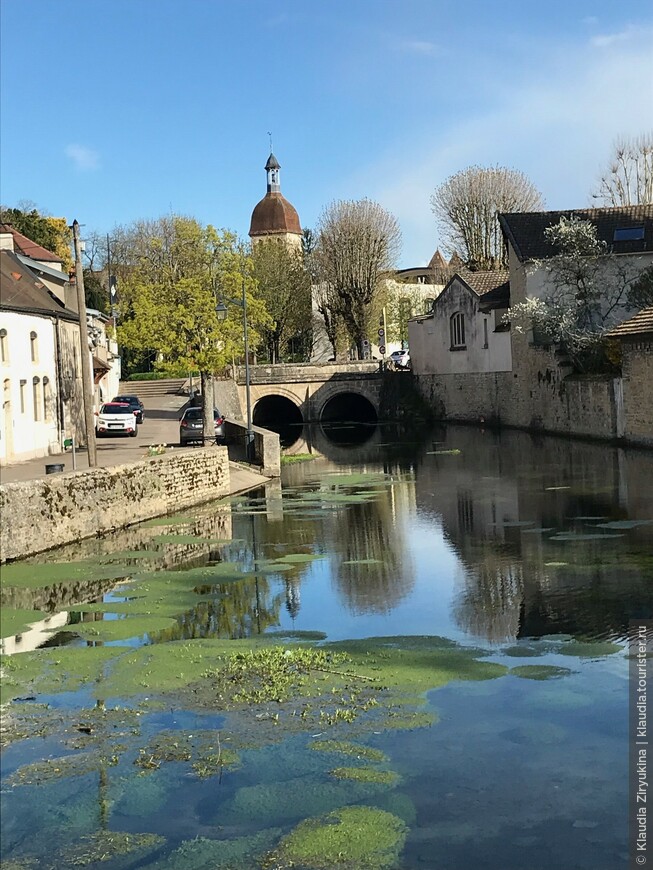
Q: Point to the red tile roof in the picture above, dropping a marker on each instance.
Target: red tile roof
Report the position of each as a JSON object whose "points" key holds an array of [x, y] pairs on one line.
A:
{"points": [[640, 324], [28, 248]]}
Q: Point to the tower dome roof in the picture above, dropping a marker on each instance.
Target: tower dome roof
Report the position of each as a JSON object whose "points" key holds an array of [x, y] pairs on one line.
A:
{"points": [[273, 215]]}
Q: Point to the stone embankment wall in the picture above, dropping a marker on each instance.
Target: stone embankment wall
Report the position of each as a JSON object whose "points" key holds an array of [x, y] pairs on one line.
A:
{"points": [[637, 370], [267, 447], [59, 509]]}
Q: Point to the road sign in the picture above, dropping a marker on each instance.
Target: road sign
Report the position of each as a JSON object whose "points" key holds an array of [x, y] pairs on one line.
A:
{"points": [[382, 349], [381, 332]]}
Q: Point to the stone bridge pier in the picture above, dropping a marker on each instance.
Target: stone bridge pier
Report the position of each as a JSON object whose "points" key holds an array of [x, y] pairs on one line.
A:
{"points": [[307, 393]]}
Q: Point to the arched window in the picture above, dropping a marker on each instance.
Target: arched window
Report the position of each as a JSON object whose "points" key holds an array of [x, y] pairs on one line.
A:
{"points": [[36, 395], [4, 348], [457, 329], [46, 398], [34, 346]]}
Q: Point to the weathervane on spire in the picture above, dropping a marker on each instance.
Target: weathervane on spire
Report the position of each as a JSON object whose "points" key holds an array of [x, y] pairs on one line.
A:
{"points": [[270, 135]]}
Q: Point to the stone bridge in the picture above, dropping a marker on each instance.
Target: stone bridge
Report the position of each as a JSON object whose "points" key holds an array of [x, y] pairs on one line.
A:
{"points": [[307, 393]]}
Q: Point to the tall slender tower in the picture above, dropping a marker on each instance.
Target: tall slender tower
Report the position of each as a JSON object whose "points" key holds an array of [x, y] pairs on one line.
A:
{"points": [[274, 217]]}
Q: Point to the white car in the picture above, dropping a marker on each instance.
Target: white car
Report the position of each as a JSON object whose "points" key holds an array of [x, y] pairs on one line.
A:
{"points": [[116, 418], [401, 358]]}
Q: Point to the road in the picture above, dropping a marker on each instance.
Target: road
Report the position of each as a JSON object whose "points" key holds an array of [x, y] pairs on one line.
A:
{"points": [[160, 426]]}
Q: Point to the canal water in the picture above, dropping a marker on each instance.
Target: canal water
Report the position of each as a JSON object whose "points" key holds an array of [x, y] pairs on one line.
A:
{"points": [[520, 559]]}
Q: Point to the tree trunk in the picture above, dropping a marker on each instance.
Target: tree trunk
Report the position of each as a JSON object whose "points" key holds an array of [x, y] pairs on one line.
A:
{"points": [[207, 395]]}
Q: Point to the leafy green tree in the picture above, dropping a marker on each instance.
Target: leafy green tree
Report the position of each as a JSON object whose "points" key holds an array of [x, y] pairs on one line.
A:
{"points": [[175, 270], [50, 233], [284, 284]]}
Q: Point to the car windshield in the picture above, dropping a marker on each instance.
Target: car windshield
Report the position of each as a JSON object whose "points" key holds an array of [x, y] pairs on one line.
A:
{"points": [[198, 414], [115, 409], [130, 400]]}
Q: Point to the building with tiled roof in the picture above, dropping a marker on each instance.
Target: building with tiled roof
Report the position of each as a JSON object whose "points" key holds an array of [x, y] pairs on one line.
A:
{"points": [[639, 325], [28, 248], [623, 230], [274, 217]]}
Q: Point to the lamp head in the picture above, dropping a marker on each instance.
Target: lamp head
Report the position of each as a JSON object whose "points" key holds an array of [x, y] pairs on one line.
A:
{"points": [[221, 311]]}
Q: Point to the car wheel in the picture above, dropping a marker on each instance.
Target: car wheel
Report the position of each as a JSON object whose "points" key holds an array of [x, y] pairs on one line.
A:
{"points": [[134, 433]]}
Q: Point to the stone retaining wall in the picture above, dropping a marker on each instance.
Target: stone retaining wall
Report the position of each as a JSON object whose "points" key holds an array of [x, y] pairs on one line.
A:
{"points": [[267, 447], [59, 509]]}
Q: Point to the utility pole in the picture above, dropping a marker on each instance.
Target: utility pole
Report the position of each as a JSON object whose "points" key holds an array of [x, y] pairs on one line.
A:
{"points": [[87, 379]]}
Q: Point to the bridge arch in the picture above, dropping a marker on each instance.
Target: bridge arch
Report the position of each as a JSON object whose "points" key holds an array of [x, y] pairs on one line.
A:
{"points": [[279, 413]]}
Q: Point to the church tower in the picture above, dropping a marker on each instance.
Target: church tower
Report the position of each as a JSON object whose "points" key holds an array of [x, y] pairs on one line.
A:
{"points": [[274, 217]]}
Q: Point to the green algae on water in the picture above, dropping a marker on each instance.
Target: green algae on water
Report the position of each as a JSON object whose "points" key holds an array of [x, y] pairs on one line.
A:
{"points": [[540, 672], [121, 629], [13, 622], [589, 649], [108, 846], [349, 838], [37, 575], [353, 750], [366, 774], [280, 803], [201, 853]]}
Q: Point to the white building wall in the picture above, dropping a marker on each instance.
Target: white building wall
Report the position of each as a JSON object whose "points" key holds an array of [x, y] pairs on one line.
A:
{"points": [[430, 338], [28, 423]]}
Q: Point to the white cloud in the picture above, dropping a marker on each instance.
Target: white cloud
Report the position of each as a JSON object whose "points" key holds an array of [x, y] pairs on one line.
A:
{"points": [[603, 40], [416, 46], [84, 159], [557, 127]]}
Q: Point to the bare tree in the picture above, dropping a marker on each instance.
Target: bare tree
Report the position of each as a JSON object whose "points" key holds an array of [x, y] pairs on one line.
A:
{"points": [[628, 180], [466, 207], [358, 243]]}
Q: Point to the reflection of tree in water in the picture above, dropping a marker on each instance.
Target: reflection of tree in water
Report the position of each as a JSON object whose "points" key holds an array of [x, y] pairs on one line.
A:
{"points": [[246, 608], [368, 531], [489, 604]]}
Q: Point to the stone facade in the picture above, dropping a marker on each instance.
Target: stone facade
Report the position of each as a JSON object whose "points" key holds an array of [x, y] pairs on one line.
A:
{"points": [[310, 387], [40, 514], [637, 371]]}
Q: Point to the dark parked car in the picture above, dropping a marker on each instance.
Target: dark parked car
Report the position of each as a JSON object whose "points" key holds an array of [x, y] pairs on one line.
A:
{"points": [[191, 426], [134, 403]]}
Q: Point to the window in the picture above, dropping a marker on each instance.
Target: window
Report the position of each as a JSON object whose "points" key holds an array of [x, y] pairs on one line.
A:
{"points": [[46, 398], [4, 350], [457, 328], [485, 332], [628, 234], [36, 395], [23, 384], [34, 346]]}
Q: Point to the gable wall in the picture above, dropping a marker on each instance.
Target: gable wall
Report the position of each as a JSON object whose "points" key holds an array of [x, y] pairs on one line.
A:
{"points": [[430, 338]]}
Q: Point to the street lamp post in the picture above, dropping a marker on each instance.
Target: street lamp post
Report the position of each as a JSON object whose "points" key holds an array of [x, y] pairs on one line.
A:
{"points": [[221, 311]]}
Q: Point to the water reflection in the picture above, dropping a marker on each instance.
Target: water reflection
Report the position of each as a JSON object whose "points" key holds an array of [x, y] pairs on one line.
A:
{"points": [[530, 520], [493, 536]]}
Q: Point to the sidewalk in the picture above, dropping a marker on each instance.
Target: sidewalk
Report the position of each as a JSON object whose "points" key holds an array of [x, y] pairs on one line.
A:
{"points": [[118, 454]]}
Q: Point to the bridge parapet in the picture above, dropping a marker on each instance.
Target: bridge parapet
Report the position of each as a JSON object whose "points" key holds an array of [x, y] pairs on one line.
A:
{"points": [[304, 373]]}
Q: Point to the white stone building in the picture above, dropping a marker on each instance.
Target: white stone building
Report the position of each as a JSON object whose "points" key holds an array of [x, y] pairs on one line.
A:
{"points": [[464, 332]]}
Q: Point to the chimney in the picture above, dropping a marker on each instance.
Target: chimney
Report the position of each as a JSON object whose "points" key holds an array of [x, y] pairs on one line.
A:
{"points": [[6, 242]]}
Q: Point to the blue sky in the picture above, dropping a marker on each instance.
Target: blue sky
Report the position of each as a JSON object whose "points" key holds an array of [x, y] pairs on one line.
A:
{"points": [[114, 110]]}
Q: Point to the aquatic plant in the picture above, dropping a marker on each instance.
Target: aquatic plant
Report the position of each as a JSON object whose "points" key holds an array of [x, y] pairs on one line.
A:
{"points": [[107, 846], [540, 672], [279, 803], [240, 853], [15, 621], [353, 750], [350, 838], [366, 774]]}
